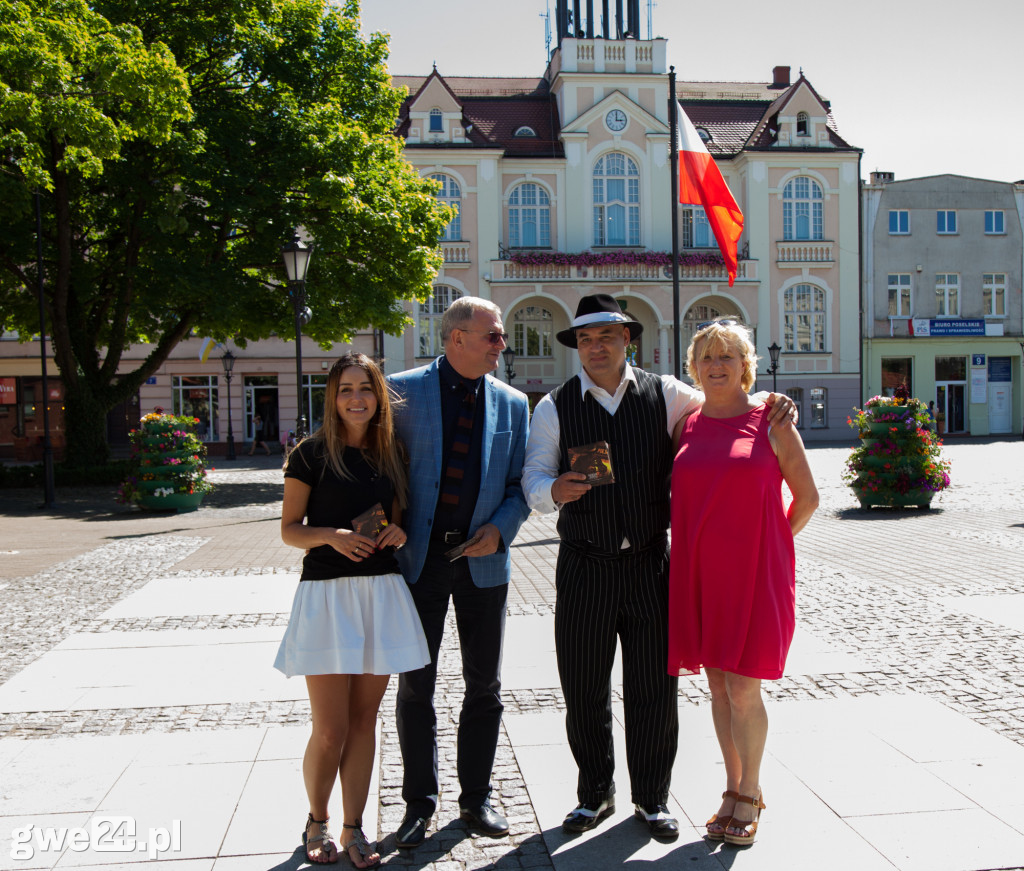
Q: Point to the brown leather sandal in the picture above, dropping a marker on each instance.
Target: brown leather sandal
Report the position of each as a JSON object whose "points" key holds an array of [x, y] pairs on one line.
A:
{"points": [[744, 833], [718, 832], [325, 839]]}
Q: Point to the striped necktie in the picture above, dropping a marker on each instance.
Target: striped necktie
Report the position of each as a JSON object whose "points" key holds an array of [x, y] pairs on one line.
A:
{"points": [[462, 437]]}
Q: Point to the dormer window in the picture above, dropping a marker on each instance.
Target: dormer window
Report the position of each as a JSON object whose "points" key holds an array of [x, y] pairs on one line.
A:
{"points": [[436, 121], [526, 131], [803, 124], [704, 135]]}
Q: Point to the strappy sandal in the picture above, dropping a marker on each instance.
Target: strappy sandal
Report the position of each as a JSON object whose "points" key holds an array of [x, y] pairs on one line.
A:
{"points": [[361, 845], [718, 833], [745, 833], [325, 839]]}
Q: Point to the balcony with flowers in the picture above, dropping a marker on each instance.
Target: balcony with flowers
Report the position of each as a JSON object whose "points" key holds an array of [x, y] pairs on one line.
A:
{"points": [[621, 265]]}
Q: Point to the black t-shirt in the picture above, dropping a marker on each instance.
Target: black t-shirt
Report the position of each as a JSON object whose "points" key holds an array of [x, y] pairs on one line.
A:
{"points": [[333, 502]]}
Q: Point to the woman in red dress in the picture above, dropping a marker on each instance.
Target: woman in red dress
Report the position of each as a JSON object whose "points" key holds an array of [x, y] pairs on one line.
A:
{"points": [[732, 576]]}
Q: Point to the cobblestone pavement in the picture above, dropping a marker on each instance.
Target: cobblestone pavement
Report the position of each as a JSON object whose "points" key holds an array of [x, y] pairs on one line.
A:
{"points": [[891, 587]]}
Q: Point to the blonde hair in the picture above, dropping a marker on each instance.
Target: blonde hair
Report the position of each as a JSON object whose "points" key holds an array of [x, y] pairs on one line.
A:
{"points": [[385, 453], [724, 333]]}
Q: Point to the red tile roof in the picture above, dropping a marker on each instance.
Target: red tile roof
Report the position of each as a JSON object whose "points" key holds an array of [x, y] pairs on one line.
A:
{"points": [[493, 109], [737, 115]]}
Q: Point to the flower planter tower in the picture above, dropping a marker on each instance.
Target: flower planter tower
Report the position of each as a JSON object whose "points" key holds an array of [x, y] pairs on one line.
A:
{"points": [[898, 462], [167, 466]]}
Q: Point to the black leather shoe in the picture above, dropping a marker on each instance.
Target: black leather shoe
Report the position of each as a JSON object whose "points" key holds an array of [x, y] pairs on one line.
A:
{"points": [[485, 819], [660, 822], [411, 833], [587, 816]]}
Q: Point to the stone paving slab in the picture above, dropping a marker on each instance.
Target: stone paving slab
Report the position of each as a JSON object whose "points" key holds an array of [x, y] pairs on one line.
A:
{"points": [[128, 672], [186, 595]]}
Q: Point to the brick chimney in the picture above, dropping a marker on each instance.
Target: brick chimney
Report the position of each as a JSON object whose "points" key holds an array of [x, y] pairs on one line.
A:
{"points": [[882, 177], [780, 77]]}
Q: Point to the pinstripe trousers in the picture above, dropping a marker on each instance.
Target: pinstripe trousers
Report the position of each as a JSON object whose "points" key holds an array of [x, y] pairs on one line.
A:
{"points": [[597, 601]]}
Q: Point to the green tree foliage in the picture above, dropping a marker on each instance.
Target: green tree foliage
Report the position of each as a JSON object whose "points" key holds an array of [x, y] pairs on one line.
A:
{"points": [[176, 144]]}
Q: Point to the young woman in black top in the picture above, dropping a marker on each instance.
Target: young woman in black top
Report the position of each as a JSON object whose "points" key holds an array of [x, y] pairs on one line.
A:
{"points": [[353, 621]]}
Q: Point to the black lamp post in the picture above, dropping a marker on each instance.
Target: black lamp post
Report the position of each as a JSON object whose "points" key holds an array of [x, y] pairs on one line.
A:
{"points": [[1022, 361], [774, 350], [510, 363], [296, 255], [228, 362], [48, 489]]}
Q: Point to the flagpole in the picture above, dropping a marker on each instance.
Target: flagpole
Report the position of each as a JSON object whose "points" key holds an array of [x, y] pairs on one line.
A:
{"points": [[673, 108]]}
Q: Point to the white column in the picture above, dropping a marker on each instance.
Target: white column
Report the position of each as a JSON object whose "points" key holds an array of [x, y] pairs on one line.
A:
{"points": [[663, 343]]}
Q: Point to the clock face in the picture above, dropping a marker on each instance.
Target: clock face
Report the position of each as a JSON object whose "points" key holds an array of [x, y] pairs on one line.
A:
{"points": [[616, 120]]}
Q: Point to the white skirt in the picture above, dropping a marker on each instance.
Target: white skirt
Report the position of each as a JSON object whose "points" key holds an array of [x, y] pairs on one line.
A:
{"points": [[358, 625]]}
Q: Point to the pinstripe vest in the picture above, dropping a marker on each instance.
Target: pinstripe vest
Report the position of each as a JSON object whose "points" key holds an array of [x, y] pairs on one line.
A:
{"points": [[636, 506]]}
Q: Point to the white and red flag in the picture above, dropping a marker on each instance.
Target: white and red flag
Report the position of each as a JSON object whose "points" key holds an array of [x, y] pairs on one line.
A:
{"points": [[700, 181]]}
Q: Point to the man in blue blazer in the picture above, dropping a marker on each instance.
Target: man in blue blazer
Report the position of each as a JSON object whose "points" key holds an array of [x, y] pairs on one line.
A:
{"points": [[466, 437]]}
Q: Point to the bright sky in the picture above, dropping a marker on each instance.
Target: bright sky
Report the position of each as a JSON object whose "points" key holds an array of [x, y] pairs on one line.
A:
{"points": [[923, 87]]}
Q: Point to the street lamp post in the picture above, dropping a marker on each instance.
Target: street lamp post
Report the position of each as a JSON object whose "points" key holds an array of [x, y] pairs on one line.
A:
{"points": [[48, 490], [228, 362], [296, 255], [774, 350], [1022, 363], [510, 363]]}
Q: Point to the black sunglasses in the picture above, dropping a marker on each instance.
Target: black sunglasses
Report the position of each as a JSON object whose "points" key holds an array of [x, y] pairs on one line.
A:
{"points": [[492, 336]]}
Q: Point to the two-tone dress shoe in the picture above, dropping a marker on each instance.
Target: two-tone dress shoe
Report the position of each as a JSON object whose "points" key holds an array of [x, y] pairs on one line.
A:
{"points": [[485, 820], [660, 822], [411, 832], [587, 815]]}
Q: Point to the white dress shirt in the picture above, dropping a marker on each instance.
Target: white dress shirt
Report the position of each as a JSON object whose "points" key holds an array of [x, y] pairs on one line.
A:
{"points": [[542, 454]]}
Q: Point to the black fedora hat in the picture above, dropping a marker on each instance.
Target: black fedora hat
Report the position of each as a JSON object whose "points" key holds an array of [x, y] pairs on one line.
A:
{"points": [[598, 308]]}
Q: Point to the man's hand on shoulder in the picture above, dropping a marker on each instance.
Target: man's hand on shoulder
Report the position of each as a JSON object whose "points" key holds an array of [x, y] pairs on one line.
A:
{"points": [[783, 409]]}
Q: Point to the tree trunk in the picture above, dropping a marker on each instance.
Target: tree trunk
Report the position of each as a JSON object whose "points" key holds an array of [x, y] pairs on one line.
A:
{"points": [[85, 422]]}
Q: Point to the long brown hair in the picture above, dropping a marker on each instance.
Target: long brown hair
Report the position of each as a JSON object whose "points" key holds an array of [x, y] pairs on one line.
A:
{"points": [[382, 448]]}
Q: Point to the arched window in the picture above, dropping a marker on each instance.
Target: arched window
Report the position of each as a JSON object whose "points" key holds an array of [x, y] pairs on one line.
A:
{"points": [[616, 201], [450, 194], [699, 316], [525, 131], [531, 332], [803, 124], [696, 229], [529, 217], [805, 318], [802, 209], [704, 134], [428, 319], [436, 121]]}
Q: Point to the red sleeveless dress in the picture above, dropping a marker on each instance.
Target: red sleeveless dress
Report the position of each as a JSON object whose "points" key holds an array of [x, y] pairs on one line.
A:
{"points": [[732, 578]]}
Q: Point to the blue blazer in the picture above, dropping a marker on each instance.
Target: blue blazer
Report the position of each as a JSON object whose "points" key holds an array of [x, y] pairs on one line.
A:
{"points": [[500, 500]]}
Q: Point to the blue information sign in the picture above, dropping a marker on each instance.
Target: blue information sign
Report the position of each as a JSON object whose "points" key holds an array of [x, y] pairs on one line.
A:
{"points": [[999, 369], [957, 327]]}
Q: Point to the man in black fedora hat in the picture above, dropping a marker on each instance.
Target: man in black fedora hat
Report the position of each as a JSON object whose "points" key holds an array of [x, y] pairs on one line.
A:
{"points": [[612, 569]]}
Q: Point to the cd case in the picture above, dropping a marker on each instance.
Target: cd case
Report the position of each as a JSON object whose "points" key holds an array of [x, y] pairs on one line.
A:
{"points": [[370, 522], [594, 461]]}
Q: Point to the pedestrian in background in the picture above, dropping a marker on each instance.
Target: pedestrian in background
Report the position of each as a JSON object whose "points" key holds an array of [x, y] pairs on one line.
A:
{"points": [[257, 435], [732, 576], [353, 622], [466, 435]]}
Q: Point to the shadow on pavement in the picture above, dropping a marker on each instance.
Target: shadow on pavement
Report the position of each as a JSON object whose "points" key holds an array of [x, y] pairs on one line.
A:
{"points": [[882, 512], [616, 846]]}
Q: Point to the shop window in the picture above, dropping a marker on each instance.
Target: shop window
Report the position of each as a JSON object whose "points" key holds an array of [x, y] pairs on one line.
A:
{"points": [[819, 408]]}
